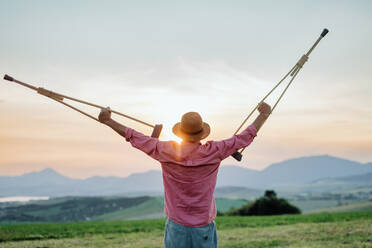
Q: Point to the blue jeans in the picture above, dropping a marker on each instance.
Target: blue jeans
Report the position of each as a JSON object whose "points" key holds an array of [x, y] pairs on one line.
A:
{"points": [[179, 236]]}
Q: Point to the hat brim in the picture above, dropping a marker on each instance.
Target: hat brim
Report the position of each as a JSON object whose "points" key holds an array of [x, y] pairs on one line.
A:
{"points": [[191, 137]]}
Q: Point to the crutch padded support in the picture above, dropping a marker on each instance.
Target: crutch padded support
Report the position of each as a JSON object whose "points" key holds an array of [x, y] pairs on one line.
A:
{"points": [[9, 78], [325, 31], [237, 155], [157, 130]]}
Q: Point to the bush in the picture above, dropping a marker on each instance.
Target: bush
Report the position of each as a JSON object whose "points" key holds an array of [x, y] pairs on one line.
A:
{"points": [[219, 213], [269, 204]]}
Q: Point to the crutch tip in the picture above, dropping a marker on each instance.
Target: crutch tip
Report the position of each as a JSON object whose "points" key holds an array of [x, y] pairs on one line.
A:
{"points": [[7, 77], [325, 31], [237, 155], [157, 130]]}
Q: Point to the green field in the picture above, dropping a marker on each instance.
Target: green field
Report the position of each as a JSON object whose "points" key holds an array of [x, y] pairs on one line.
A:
{"points": [[348, 229], [360, 206], [312, 206]]}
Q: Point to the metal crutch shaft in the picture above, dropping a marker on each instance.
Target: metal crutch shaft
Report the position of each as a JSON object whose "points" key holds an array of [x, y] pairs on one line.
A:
{"points": [[263, 99], [293, 72], [59, 98], [290, 82]]}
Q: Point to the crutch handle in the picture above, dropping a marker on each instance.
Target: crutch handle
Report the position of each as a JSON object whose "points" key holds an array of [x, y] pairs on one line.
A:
{"points": [[237, 155], [9, 78], [156, 131], [325, 31]]}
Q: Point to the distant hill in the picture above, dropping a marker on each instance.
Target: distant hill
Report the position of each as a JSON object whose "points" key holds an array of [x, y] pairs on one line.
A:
{"points": [[363, 178], [360, 179], [71, 209], [291, 173], [359, 206], [237, 176], [307, 169], [50, 183], [237, 192], [67, 209]]}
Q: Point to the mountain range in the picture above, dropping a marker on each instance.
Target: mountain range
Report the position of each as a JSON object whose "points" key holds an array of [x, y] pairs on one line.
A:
{"points": [[296, 172]]}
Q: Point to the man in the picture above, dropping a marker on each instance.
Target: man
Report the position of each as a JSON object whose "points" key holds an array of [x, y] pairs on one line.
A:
{"points": [[189, 173]]}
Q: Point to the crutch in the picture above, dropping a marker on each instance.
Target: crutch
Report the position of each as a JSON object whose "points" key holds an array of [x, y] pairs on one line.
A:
{"points": [[293, 73], [59, 98]]}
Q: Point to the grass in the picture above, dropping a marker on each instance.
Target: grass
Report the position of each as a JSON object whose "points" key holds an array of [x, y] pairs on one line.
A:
{"points": [[354, 233], [311, 206], [76, 229], [350, 229], [360, 206], [152, 207]]}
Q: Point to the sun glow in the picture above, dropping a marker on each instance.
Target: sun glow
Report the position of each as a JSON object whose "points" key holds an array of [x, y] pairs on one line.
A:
{"points": [[168, 121], [170, 108], [167, 134]]}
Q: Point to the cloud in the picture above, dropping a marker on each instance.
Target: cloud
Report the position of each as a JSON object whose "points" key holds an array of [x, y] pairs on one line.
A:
{"points": [[196, 75], [181, 75]]}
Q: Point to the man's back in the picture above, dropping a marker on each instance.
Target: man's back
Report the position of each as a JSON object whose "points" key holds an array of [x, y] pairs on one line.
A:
{"points": [[189, 188], [190, 173]]}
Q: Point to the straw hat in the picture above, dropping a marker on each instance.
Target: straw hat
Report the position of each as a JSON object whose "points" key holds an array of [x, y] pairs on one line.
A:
{"points": [[191, 128]]}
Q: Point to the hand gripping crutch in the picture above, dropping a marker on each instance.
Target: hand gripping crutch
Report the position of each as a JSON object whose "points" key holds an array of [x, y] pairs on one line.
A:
{"points": [[293, 73], [59, 98]]}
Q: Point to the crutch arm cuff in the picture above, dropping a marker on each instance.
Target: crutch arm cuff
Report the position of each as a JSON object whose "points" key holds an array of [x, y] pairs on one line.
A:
{"points": [[156, 131]]}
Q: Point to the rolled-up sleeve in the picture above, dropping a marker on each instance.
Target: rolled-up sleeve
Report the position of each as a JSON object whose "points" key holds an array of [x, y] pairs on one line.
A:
{"points": [[143, 142], [229, 146]]}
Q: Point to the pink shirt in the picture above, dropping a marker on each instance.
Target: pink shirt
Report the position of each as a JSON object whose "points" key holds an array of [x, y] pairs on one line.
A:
{"points": [[190, 172]]}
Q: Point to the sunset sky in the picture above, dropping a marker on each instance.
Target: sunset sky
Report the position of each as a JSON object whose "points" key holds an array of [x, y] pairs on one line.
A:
{"points": [[156, 60]]}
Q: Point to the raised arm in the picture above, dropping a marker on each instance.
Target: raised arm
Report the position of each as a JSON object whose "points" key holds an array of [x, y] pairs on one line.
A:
{"points": [[105, 118], [265, 111], [151, 146], [229, 146]]}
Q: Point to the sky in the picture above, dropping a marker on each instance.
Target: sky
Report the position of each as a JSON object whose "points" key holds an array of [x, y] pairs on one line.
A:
{"points": [[155, 60]]}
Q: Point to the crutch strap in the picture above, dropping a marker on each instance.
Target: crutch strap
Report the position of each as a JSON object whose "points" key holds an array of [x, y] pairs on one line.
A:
{"points": [[49, 94]]}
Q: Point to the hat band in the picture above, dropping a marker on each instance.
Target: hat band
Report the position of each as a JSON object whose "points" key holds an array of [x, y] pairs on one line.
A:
{"points": [[194, 133]]}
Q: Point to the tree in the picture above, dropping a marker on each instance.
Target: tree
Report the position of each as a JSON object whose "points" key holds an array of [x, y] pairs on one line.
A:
{"points": [[268, 204]]}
